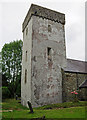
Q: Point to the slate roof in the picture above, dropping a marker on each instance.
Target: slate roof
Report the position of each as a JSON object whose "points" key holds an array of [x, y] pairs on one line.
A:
{"points": [[76, 66], [84, 84]]}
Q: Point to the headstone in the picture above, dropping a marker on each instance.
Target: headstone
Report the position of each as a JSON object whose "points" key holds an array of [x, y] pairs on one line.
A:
{"points": [[30, 106], [16, 97]]}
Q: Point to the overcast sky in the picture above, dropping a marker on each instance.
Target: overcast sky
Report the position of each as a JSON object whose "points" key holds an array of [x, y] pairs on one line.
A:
{"points": [[12, 14]]}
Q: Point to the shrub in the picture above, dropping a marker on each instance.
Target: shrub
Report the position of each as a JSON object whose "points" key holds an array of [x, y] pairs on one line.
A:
{"points": [[75, 99], [18, 90], [5, 93]]}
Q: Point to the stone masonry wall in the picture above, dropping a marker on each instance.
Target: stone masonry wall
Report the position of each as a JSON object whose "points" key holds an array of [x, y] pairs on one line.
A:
{"points": [[26, 64], [46, 13], [44, 47], [46, 75], [71, 82]]}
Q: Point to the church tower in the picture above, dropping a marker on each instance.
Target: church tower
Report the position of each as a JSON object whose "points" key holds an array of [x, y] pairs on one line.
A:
{"points": [[44, 54]]}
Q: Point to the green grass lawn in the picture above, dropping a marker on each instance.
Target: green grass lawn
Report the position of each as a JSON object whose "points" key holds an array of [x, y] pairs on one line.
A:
{"points": [[64, 110], [55, 113]]}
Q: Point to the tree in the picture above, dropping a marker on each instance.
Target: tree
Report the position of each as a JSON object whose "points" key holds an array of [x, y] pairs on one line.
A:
{"points": [[0, 63], [11, 65], [0, 69]]}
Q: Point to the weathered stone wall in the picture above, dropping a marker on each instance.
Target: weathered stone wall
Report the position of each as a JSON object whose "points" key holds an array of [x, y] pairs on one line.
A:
{"points": [[36, 10], [26, 64], [44, 44], [71, 82], [46, 73]]}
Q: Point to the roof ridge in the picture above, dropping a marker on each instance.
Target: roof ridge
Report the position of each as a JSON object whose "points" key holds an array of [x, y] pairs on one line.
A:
{"points": [[76, 60]]}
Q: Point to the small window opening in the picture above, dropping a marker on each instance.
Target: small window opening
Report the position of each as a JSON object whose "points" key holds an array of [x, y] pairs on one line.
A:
{"points": [[25, 75], [49, 53], [49, 50], [34, 58], [49, 28], [26, 56]]}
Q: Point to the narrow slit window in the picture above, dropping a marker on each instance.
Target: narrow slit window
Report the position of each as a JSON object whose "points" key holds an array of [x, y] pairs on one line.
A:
{"points": [[26, 56], [48, 50], [25, 75], [49, 53], [49, 28]]}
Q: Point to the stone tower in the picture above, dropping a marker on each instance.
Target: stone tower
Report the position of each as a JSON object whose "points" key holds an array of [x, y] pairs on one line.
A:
{"points": [[44, 54]]}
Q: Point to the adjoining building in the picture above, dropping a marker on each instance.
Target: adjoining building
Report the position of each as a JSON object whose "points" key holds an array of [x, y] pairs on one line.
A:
{"points": [[47, 76], [74, 77]]}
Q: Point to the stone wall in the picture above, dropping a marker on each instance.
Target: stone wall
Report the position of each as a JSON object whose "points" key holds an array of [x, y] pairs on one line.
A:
{"points": [[71, 82], [44, 47], [48, 56], [26, 64], [46, 13]]}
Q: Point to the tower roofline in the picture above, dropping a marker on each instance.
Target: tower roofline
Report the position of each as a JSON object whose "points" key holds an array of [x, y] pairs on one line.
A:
{"points": [[44, 13]]}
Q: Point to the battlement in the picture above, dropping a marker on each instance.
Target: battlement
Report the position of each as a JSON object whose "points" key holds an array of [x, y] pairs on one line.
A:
{"points": [[44, 13]]}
